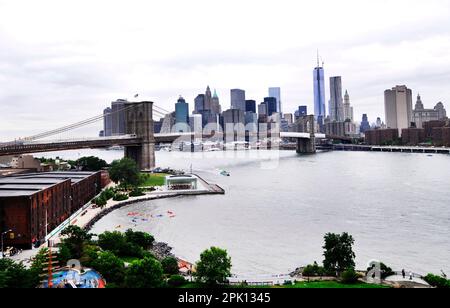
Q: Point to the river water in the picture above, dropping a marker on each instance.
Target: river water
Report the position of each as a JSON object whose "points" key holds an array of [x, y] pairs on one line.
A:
{"points": [[278, 206]]}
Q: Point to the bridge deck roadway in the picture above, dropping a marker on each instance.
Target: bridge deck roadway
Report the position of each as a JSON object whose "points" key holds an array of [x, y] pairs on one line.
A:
{"points": [[61, 145]]}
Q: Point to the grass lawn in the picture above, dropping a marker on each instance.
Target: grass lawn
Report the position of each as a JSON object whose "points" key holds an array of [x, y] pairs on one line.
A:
{"points": [[154, 179], [303, 285], [129, 259]]}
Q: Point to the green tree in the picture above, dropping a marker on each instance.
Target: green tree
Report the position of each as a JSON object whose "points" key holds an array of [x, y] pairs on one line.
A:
{"points": [[64, 254], [111, 267], [117, 243], [74, 239], [170, 266], [112, 241], [145, 273], [39, 264], [14, 275], [125, 171], [141, 239], [214, 266], [339, 255], [91, 163], [90, 255]]}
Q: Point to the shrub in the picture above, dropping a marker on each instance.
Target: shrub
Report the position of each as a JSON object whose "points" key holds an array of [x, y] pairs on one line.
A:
{"points": [[137, 192], [120, 197], [108, 193], [437, 281], [176, 281], [100, 201], [313, 270], [349, 276]]}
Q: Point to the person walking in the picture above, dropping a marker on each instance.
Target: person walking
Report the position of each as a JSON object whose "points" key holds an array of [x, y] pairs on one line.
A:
{"points": [[410, 276], [403, 273]]}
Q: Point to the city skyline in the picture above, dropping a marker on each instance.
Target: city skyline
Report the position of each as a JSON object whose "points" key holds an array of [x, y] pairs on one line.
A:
{"points": [[67, 68]]}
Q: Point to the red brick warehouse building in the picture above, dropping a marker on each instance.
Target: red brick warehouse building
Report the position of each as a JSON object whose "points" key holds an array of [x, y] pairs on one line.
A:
{"points": [[33, 205]]}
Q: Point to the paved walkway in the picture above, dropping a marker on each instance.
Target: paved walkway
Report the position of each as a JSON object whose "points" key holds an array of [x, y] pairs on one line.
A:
{"points": [[400, 279]]}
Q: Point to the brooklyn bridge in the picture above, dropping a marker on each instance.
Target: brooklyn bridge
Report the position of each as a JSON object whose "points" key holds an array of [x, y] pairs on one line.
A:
{"points": [[140, 140]]}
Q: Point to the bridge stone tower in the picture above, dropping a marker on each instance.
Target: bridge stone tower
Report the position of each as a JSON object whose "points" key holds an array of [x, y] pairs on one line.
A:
{"points": [[139, 121], [306, 125]]}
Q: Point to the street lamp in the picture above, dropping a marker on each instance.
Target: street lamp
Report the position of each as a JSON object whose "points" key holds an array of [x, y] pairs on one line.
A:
{"points": [[3, 234]]}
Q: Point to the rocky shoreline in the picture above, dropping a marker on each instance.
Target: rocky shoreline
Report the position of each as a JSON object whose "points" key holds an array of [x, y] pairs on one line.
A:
{"points": [[162, 251]]}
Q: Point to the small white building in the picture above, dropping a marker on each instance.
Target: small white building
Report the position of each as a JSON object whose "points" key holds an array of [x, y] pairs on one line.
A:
{"points": [[181, 182]]}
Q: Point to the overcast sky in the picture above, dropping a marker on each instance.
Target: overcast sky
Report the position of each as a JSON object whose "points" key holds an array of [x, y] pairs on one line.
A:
{"points": [[64, 61]]}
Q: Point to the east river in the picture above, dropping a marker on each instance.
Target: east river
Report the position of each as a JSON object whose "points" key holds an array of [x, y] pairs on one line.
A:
{"points": [[278, 206]]}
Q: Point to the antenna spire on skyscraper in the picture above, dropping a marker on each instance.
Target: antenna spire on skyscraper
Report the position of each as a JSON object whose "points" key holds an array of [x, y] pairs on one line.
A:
{"points": [[318, 62]]}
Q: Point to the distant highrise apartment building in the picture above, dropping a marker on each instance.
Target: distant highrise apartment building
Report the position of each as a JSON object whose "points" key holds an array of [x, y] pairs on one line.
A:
{"points": [[348, 110], [319, 93], [238, 99], [276, 92], [398, 107], [336, 105]]}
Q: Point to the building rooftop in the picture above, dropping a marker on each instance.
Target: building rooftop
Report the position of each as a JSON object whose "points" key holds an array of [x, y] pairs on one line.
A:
{"points": [[31, 183], [74, 176]]}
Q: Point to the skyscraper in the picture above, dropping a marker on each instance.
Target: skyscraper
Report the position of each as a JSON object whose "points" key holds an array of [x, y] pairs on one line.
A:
{"points": [[365, 125], [336, 105], [398, 107], [271, 103], [348, 110], [302, 111], [215, 104], [181, 112], [107, 122], [234, 116], [208, 99], [262, 109], [319, 93], [379, 123], [250, 106], [199, 103], [238, 99], [276, 92], [118, 117]]}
